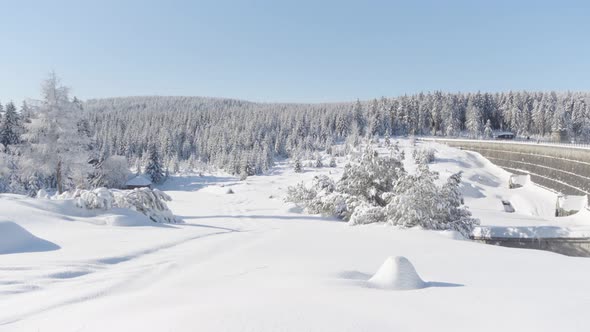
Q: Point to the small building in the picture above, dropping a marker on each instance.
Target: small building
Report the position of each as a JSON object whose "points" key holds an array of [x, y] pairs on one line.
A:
{"points": [[505, 135], [138, 181]]}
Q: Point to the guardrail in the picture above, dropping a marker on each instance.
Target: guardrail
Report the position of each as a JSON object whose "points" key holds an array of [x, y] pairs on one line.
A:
{"points": [[517, 140]]}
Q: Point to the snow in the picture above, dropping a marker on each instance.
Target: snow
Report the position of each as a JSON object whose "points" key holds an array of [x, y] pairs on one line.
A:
{"points": [[573, 202], [520, 179], [397, 273], [15, 239], [485, 186], [248, 262]]}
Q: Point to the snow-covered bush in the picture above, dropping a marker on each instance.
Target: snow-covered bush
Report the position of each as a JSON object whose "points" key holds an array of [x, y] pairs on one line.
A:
{"points": [[367, 214], [42, 193], [418, 201], [370, 176], [299, 194], [424, 155], [378, 189], [150, 202], [320, 198], [100, 198], [333, 162]]}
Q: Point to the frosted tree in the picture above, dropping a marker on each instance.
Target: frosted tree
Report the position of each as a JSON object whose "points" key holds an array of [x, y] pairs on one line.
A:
{"points": [[359, 117], [473, 121], [58, 151], [25, 112], [455, 215], [487, 131], [415, 199], [154, 169], [112, 172], [370, 177], [333, 162], [318, 162], [10, 127], [298, 167]]}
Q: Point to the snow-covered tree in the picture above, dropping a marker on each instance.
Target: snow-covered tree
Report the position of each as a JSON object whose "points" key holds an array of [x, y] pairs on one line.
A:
{"points": [[298, 167], [473, 121], [455, 216], [377, 189], [10, 127], [333, 162], [370, 177], [113, 172], [318, 162], [487, 131], [57, 150], [154, 169]]}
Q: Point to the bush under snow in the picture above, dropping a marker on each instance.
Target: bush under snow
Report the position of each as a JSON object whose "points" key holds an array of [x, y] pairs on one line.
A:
{"points": [[378, 189], [150, 202]]}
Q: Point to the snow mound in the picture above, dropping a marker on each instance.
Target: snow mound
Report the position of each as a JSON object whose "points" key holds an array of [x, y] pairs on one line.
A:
{"points": [[397, 273], [15, 239]]}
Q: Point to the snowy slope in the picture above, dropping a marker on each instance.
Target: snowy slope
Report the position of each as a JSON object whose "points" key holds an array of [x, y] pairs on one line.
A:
{"points": [[250, 262]]}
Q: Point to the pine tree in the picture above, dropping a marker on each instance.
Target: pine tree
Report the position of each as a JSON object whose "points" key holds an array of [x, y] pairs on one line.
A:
{"points": [[154, 168], [318, 162], [298, 167], [10, 127], [333, 162]]}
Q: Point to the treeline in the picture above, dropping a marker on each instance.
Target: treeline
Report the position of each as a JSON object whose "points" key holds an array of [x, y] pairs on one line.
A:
{"points": [[61, 142], [245, 137]]}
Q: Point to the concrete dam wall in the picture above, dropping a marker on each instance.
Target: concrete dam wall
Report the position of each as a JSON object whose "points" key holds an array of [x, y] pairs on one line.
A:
{"points": [[560, 168]]}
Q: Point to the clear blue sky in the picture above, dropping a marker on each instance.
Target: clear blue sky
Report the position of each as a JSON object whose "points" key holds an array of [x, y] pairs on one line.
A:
{"points": [[293, 50]]}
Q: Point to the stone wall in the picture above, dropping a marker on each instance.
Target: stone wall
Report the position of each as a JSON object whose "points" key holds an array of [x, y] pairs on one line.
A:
{"points": [[560, 168]]}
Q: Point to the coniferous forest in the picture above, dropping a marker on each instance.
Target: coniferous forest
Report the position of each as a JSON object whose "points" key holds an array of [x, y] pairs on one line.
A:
{"points": [[60, 142]]}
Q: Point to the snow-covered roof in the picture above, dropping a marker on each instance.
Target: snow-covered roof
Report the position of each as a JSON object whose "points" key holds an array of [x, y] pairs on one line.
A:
{"points": [[138, 180]]}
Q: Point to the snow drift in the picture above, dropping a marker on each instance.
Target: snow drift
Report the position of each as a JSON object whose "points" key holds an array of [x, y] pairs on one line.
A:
{"points": [[397, 273], [15, 239]]}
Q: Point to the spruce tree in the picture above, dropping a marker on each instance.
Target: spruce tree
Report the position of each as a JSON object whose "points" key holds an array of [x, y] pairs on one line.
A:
{"points": [[154, 168], [333, 162], [10, 127], [318, 162], [298, 166]]}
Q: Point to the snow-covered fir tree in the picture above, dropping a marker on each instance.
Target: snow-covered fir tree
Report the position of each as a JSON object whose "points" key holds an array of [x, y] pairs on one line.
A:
{"points": [[10, 127], [318, 162], [487, 131], [333, 162], [298, 166], [154, 169]]}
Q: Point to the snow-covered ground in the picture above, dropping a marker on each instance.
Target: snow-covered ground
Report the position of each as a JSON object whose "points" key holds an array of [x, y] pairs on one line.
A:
{"points": [[248, 261]]}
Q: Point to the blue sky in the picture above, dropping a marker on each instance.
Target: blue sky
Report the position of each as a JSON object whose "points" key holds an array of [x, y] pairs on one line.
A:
{"points": [[299, 51]]}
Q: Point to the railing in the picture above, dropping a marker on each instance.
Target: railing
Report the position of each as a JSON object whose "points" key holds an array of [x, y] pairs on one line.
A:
{"points": [[516, 140]]}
